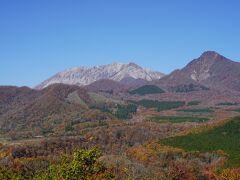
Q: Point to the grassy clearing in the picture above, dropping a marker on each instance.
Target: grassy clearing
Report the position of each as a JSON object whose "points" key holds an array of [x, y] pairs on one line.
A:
{"points": [[225, 137], [74, 98], [178, 119], [160, 105], [227, 104], [202, 110], [101, 99], [236, 110]]}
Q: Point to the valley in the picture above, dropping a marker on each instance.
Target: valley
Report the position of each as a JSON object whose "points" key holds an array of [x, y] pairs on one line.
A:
{"points": [[146, 125]]}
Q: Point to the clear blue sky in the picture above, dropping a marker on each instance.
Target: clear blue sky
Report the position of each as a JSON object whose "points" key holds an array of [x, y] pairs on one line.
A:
{"points": [[41, 37]]}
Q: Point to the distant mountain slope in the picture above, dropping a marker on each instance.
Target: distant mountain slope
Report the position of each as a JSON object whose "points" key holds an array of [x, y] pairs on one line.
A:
{"points": [[118, 72], [210, 69], [105, 85], [24, 107]]}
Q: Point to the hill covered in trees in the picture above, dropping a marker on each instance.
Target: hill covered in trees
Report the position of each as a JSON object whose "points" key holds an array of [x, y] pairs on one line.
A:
{"points": [[147, 89]]}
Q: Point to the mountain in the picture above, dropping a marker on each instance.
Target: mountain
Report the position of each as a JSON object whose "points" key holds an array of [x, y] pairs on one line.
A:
{"points": [[210, 70], [24, 110], [83, 76]]}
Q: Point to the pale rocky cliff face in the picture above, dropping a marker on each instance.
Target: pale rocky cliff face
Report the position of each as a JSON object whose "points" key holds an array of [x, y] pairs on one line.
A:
{"points": [[117, 71], [201, 68]]}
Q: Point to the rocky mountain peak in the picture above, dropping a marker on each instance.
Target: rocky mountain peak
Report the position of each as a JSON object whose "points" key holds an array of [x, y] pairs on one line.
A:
{"points": [[201, 68], [115, 71], [210, 55], [207, 59], [134, 65], [210, 69]]}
